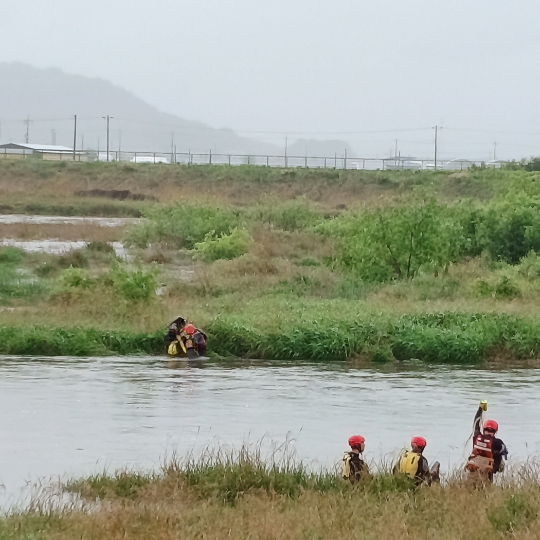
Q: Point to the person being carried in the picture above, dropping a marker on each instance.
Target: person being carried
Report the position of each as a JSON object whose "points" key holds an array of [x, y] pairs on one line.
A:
{"points": [[174, 329], [487, 454], [414, 464], [354, 467], [179, 333]]}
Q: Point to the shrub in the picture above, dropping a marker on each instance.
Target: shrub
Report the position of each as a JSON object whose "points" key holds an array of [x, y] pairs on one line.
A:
{"points": [[503, 288], [76, 278], [133, 284], [182, 226], [129, 284], [510, 229], [529, 266], [398, 242], [289, 216], [225, 246]]}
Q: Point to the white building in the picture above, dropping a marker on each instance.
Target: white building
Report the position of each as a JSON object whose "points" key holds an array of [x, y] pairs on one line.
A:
{"points": [[47, 152]]}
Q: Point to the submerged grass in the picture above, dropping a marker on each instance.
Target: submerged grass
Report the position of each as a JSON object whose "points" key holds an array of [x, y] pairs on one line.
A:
{"points": [[47, 341], [238, 494], [451, 338]]}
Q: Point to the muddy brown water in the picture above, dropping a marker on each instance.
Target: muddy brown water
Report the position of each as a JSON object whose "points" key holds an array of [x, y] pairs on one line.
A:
{"points": [[70, 417]]}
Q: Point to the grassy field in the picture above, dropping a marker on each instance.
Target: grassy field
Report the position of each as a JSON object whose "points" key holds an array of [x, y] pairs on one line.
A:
{"points": [[238, 495], [278, 263]]}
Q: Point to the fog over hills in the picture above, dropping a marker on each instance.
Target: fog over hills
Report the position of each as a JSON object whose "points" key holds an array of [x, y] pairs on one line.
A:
{"points": [[50, 98]]}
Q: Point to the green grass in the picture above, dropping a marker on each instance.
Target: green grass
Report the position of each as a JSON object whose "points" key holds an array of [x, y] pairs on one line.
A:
{"points": [[49, 341], [450, 338]]}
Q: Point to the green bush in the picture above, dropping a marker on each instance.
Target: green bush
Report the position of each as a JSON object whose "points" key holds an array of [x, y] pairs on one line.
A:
{"points": [[182, 226], [510, 229], [133, 284], [73, 278], [398, 242], [129, 284], [291, 216], [224, 246], [503, 288], [529, 266]]}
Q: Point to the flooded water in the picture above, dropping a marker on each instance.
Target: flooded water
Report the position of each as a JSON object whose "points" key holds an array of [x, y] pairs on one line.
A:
{"points": [[9, 219], [66, 416], [57, 247]]}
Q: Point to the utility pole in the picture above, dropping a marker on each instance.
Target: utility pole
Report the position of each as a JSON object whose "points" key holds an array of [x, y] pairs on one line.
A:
{"points": [[173, 153], [286, 142], [395, 154], [108, 120], [119, 143], [74, 135], [436, 135], [494, 150], [27, 122]]}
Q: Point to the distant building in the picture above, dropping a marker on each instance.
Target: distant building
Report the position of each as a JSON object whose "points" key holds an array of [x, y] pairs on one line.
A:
{"points": [[41, 151]]}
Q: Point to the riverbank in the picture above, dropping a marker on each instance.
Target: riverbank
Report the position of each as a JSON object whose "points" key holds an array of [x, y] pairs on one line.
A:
{"points": [[450, 338], [274, 264], [239, 495]]}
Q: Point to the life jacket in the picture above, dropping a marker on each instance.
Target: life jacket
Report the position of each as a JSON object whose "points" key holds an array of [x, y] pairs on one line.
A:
{"points": [[346, 471], [408, 464], [173, 348], [481, 458]]}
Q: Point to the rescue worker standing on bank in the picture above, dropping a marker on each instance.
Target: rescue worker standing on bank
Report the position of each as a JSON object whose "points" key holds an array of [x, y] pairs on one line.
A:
{"points": [[487, 454], [413, 464], [354, 467]]}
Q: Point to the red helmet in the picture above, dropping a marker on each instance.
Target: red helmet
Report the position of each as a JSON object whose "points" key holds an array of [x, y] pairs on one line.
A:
{"points": [[491, 424], [189, 329], [419, 441], [356, 440]]}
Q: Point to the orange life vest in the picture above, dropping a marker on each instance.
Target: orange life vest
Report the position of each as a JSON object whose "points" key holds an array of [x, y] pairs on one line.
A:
{"points": [[481, 458]]}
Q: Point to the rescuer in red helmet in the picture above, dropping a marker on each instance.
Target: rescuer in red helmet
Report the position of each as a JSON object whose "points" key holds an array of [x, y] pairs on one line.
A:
{"points": [[354, 467], [488, 451], [414, 464]]}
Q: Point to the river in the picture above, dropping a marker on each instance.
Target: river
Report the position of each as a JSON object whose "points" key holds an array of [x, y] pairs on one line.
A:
{"points": [[68, 416]]}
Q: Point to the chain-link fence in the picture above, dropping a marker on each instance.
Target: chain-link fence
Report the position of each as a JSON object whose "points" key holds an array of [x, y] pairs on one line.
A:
{"points": [[209, 158]]}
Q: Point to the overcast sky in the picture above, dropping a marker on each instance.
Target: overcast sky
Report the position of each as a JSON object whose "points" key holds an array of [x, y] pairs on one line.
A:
{"points": [[312, 66]]}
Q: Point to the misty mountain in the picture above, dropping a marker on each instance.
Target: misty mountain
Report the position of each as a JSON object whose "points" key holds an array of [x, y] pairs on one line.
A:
{"points": [[50, 97]]}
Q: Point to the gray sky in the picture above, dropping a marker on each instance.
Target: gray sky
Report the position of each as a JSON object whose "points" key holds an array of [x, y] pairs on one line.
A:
{"points": [[311, 66]]}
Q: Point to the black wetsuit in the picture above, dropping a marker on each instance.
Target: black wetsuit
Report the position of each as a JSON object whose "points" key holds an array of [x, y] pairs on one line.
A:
{"points": [[497, 446], [423, 474], [358, 466]]}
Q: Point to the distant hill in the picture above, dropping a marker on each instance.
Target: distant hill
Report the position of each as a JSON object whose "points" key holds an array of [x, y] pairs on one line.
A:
{"points": [[315, 148], [50, 98]]}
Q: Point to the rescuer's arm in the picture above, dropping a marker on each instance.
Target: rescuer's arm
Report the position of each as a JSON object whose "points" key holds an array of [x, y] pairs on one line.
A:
{"points": [[478, 418]]}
